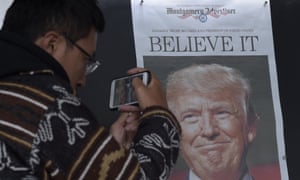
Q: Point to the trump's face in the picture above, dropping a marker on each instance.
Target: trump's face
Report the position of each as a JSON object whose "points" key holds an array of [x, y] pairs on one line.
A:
{"points": [[215, 134]]}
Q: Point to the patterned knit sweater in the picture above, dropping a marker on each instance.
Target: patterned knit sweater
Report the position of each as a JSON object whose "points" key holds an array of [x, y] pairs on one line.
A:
{"points": [[47, 133]]}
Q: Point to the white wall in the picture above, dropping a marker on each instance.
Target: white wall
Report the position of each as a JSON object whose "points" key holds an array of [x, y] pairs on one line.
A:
{"points": [[4, 4]]}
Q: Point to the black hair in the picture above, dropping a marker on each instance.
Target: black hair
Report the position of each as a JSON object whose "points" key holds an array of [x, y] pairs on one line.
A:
{"points": [[33, 18]]}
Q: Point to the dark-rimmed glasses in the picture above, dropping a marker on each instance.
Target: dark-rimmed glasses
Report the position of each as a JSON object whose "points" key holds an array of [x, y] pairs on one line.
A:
{"points": [[92, 64]]}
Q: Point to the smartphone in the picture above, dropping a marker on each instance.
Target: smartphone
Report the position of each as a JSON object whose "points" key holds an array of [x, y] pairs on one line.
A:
{"points": [[122, 91]]}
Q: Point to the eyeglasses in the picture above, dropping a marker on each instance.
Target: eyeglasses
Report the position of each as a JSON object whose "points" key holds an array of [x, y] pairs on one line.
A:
{"points": [[93, 64]]}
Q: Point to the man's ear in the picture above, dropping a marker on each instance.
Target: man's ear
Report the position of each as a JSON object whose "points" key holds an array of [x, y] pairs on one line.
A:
{"points": [[49, 42]]}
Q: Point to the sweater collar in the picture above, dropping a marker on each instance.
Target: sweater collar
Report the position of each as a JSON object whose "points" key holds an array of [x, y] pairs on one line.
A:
{"points": [[19, 54]]}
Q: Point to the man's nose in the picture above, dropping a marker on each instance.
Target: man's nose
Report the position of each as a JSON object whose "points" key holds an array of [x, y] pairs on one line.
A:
{"points": [[208, 126]]}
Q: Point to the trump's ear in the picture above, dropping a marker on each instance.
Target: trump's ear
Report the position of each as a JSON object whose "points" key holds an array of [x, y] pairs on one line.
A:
{"points": [[251, 135], [252, 121], [252, 127]]}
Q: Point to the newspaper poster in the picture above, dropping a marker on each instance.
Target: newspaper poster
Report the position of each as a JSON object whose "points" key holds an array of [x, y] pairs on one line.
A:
{"points": [[177, 39]]}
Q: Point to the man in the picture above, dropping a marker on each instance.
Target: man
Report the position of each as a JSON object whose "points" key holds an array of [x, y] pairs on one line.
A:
{"points": [[46, 132], [212, 105]]}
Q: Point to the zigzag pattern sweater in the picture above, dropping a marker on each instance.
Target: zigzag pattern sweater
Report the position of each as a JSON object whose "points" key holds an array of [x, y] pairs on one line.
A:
{"points": [[47, 133]]}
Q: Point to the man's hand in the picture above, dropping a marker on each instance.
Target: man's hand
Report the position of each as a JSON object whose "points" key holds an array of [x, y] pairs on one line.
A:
{"points": [[124, 129], [151, 95]]}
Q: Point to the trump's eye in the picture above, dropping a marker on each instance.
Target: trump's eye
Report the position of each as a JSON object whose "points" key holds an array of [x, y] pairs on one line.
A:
{"points": [[190, 118], [222, 114]]}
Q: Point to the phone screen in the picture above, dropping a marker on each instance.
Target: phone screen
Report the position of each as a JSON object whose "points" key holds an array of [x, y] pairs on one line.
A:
{"points": [[122, 91]]}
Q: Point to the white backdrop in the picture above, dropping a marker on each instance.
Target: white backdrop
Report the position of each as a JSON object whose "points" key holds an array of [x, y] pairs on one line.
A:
{"points": [[4, 4]]}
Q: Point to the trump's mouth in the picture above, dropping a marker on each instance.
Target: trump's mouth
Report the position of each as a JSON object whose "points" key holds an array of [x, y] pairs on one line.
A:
{"points": [[212, 145]]}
